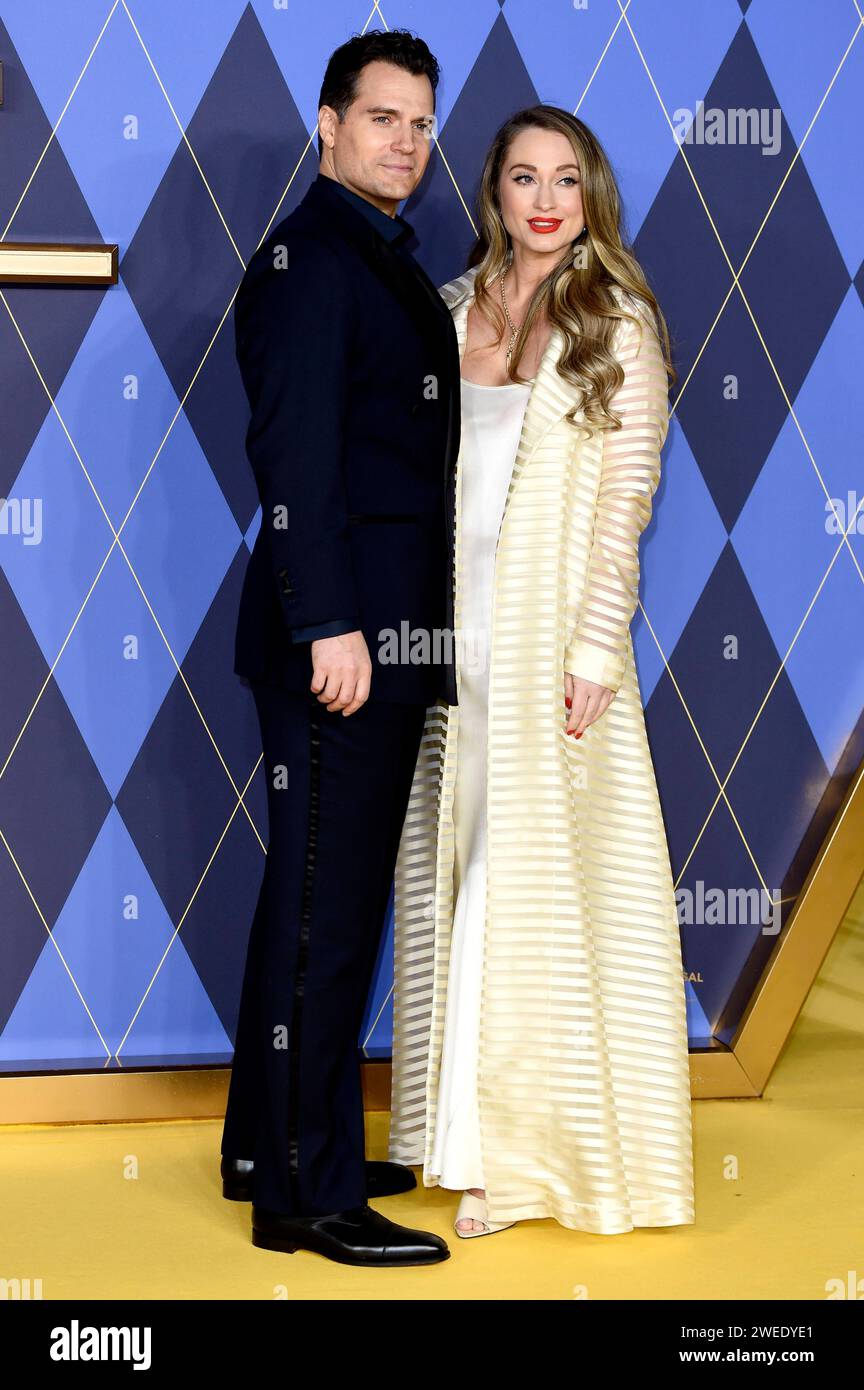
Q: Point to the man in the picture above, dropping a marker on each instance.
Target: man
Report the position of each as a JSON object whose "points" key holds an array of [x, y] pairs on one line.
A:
{"points": [[351, 365]]}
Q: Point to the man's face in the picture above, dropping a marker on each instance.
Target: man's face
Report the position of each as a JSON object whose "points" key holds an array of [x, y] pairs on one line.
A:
{"points": [[382, 147]]}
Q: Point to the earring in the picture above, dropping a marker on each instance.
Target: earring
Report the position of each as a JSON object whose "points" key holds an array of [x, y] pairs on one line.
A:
{"points": [[579, 245]]}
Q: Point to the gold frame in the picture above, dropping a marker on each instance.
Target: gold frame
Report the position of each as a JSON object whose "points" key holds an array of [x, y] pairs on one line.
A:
{"points": [[740, 1070], [58, 263], [743, 1068], [119, 1096]]}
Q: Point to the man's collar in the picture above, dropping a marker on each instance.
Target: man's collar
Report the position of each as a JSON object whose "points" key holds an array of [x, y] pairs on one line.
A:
{"points": [[394, 230]]}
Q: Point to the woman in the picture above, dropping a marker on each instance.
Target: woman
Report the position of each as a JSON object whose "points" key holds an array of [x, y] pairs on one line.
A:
{"points": [[540, 1057]]}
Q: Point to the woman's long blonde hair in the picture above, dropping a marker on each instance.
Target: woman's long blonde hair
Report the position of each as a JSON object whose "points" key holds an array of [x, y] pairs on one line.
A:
{"points": [[577, 300]]}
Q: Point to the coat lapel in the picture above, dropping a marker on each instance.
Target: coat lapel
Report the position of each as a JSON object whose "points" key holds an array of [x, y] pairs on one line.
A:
{"points": [[551, 396]]}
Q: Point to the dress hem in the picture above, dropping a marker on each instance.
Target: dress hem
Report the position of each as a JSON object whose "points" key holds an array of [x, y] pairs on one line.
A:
{"points": [[640, 1215]]}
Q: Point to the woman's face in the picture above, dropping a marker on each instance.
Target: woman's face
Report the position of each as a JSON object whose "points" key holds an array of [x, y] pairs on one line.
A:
{"points": [[540, 192]]}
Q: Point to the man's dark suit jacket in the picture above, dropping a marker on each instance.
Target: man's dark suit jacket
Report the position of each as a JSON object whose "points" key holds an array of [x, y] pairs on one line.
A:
{"points": [[350, 362]]}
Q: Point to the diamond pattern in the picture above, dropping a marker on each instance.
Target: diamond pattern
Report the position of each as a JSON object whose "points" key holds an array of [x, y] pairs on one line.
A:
{"points": [[133, 813]]}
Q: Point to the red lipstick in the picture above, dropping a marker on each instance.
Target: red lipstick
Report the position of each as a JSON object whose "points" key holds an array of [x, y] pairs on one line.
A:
{"points": [[545, 224]]}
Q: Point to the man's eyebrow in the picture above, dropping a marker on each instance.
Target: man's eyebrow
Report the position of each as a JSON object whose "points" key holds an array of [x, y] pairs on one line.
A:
{"points": [[392, 111]]}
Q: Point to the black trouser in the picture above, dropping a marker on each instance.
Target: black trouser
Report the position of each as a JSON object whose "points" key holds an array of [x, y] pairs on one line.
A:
{"points": [[337, 792]]}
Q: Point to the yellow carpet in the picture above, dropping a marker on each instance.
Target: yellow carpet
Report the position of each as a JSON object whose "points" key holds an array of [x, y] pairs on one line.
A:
{"points": [[136, 1212]]}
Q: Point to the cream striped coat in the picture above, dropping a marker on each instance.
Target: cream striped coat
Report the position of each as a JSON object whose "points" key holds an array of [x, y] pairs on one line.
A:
{"points": [[583, 1074]]}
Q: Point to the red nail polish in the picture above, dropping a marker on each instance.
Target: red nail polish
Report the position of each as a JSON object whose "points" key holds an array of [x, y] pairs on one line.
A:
{"points": [[567, 702]]}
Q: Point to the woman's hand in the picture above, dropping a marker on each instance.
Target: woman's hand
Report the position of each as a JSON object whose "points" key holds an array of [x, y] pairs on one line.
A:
{"points": [[586, 701]]}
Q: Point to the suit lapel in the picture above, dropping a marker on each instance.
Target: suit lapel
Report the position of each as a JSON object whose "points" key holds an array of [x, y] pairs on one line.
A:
{"points": [[413, 292], [417, 297]]}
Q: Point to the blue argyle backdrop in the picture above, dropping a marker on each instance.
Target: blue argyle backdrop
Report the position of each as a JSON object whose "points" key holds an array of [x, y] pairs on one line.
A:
{"points": [[132, 805]]}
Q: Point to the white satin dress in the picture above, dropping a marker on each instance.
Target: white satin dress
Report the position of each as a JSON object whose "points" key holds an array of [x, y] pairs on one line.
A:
{"points": [[491, 427]]}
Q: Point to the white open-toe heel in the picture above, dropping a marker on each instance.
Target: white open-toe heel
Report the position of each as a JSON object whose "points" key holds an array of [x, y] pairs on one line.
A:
{"points": [[474, 1208]]}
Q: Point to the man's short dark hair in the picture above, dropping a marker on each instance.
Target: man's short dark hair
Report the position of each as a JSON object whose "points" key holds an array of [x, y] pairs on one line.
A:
{"points": [[397, 46]]}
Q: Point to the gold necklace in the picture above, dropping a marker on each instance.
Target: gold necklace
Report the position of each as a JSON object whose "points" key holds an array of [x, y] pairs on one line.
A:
{"points": [[514, 332]]}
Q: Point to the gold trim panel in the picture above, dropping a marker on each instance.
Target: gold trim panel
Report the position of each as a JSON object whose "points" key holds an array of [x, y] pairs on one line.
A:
{"points": [[57, 263], [129, 1096], [813, 923]]}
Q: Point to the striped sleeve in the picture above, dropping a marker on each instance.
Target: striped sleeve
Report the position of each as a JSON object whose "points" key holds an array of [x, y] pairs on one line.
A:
{"points": [[630, 472]]}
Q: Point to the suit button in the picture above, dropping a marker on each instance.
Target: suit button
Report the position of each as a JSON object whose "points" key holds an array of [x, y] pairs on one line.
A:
{"points": [[287, 586], [415, 410]]}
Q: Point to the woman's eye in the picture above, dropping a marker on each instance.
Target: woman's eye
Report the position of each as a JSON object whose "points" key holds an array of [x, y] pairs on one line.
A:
{"points": [[568, 178]]}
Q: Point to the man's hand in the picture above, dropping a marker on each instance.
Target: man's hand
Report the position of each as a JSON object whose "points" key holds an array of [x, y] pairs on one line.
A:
{"points": [[586, 701], [341, 671]]}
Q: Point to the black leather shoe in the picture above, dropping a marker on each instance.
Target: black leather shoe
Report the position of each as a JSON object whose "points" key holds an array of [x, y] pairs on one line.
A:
{"points": [[382, 1179], [387, 1179], [360, 1236], [237, 1178]]}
